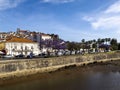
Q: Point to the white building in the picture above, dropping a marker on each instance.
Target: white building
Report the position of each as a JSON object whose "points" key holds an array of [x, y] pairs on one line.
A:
{"points": [[16, 46], [46, 37], [39, 37]]}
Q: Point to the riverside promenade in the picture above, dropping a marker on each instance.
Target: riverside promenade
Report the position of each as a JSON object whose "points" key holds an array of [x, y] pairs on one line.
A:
{"points": [[24, 67]]}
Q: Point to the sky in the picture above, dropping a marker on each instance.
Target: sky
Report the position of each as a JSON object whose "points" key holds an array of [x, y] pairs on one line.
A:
{"points": [[72, 20]]}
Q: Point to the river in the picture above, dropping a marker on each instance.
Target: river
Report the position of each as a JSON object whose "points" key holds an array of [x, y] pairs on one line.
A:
{"points": [[92, 77]]}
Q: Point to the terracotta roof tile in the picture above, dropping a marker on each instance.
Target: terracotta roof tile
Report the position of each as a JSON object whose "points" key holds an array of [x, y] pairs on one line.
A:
{"points": [[22, 40]]}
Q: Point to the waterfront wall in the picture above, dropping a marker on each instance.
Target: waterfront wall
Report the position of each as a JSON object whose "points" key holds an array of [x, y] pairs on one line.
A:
{"points": [[25, 67]]}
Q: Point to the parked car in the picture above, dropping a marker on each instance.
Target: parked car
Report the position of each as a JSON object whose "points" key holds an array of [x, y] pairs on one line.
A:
{"points": [[59, 53], [73, 53], [8, 56], [20, 56], [53, 54], [43, 55], [67, 52], [32, 56]]}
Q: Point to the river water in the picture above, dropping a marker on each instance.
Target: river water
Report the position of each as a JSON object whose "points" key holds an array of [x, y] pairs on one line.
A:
{"points": [[94, 77]]}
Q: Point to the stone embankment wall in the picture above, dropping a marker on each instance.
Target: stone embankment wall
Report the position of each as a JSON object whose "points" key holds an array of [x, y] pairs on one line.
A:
{"points": [[18, 68]]}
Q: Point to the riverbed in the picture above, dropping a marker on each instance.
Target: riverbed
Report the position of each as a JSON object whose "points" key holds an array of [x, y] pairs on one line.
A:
{"points": [[97, 76]]}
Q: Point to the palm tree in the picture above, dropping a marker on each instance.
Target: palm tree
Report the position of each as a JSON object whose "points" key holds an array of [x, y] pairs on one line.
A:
{"points": [[102, 40], [99, 41], [106, 40], [94, 40], [109, 39], [83, 44]]}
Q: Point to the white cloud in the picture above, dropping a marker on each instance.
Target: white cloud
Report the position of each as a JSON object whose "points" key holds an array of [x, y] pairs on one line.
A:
{"points": [[106, 22], [6, 4], [57, 1], [107, 19], [114, 8]]}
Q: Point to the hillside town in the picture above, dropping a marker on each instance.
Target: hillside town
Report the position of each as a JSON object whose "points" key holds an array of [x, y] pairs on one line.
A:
{"points": [[25, 43]]}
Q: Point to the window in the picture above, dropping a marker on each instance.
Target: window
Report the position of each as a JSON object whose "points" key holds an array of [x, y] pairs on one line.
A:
{"points": [[32, 47], [22, 47], [25, 47], [15, 47]]}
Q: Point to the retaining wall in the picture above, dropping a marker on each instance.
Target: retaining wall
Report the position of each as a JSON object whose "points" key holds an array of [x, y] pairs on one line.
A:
{"points": [[18, 68]]}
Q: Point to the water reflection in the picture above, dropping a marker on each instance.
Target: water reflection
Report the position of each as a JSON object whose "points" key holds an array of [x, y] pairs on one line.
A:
{"points": [[88, 80]]}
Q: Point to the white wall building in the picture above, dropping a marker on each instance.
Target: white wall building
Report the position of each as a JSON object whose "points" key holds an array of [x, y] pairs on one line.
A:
{"points": [[38, 37], [46, 36], [16, 46]]}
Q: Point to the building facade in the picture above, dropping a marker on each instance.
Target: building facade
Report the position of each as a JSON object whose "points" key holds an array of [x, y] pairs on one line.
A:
{"points": [[16, 46]]}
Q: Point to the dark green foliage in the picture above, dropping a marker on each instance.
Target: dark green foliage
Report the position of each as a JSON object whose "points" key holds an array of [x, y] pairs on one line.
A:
{"points": [[73, 46], [93, 44], [114, 44], [118, 46]]}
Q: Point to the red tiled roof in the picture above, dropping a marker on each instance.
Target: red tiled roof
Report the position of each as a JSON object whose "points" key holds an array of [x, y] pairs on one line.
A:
{"points": [[22, 40]]}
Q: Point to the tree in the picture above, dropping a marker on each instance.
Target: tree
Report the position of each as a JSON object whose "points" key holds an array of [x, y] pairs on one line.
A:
{"points": [[56, 44], [83, 40], [83, 44], [118, 46], [114, 44], [55, 36], [99, 41], [73, 46], [94, 45], [70, 46], [102, 40], [94, 41], [109, 39], [106, 40]]}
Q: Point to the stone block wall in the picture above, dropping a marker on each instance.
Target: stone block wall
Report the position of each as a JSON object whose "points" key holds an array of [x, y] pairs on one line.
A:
{"points": [[9, 66]]}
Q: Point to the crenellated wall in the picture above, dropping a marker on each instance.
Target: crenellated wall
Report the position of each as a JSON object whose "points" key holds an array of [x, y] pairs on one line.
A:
{"points": [[18, 68]]}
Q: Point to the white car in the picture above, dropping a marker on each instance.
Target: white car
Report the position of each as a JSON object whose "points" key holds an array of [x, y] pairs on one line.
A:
{"points": [[59, 53], [8, 56]]}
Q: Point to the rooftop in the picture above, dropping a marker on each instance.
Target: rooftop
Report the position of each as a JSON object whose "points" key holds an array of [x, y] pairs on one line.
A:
{"points": [[21, 40]]}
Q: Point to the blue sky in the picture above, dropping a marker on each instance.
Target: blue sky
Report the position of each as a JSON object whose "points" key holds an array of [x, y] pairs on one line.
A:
{"points": [[72, 20]]}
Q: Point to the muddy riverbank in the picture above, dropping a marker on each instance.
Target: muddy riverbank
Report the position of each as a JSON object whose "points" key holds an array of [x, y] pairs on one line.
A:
{"points": [[110, 66]]}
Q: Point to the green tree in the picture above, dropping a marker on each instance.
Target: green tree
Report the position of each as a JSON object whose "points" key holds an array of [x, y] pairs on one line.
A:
{"points": [[83, 44], [69, 46], [102, 40], [73, 46], [99, 41], [114, 44], [94, 45], [83, 40], [94, 41], [118, 46]]}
